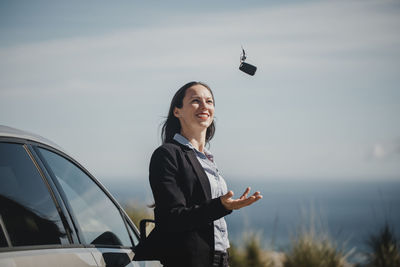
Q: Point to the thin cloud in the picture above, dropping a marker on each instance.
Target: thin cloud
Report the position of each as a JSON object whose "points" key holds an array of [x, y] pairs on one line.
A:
{"points": [[302, 35], [122, 79], [385, 151]]}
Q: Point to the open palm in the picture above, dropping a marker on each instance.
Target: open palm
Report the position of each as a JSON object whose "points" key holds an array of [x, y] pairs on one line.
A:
{"points": [[234, 204]]}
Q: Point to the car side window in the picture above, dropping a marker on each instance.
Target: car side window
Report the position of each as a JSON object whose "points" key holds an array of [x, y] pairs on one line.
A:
{"points": [[28, 214], [99, 219]]}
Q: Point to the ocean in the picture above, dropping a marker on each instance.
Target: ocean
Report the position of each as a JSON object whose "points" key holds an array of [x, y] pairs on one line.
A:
{"points": [[347, 211]]}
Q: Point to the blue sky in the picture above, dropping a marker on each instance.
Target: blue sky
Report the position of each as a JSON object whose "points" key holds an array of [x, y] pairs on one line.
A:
{"points": [[97, 77]]}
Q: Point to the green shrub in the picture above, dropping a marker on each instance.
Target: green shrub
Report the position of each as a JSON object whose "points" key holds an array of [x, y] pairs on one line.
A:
{"points": [[251, 255], [313, 247], [385, 249], [310, 251]]}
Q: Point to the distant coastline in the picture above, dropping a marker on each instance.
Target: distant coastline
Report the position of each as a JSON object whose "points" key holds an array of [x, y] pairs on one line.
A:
{"points": [[348, 210]]}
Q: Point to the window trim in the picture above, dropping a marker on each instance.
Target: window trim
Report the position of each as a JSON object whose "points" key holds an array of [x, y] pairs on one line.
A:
{"points": [[5, 232], [60, 204], [40, 247], [124, 216], [81, 239], [26, 145]]}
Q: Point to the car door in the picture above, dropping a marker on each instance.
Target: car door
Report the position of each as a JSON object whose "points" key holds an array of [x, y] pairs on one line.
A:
{"points": [[33, 230], [100, 222]]}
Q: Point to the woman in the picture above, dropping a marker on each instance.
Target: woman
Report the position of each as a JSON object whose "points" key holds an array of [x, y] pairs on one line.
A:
{"points": [[191, 197]]}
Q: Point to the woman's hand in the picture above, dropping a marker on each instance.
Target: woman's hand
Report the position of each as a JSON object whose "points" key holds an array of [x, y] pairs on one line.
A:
{"points": [[243, 201]]}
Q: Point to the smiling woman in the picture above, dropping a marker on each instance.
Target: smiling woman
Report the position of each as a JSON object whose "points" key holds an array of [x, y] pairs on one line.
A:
{"points": [[172, 125], [191, 197], [198, 102]]}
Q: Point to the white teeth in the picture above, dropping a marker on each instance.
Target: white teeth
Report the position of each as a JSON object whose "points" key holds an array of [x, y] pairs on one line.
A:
{"points": [[202, 115]]}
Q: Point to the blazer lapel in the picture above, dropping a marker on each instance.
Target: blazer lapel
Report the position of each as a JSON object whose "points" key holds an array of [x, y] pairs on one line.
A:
{"points": [[201, 175]]}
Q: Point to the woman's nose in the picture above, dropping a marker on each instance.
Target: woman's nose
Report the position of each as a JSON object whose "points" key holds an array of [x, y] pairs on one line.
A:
{"points": [[203, 104]]}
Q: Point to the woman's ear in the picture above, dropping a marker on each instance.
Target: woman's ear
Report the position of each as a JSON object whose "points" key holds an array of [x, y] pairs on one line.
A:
{"points": [[176, 112]]}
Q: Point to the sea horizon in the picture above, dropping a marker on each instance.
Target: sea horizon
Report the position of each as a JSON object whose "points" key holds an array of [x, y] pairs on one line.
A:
{"points": [[348, 211]]}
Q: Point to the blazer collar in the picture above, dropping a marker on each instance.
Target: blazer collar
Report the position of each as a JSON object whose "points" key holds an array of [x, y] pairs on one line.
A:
{"points": [[198, 169]]}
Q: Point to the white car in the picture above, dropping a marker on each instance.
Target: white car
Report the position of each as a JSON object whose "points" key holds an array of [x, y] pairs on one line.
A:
{"points": [[54, 213]]}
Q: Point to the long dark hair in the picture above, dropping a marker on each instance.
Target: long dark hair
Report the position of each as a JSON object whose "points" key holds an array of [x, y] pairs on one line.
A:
{"points": [[172, 125]]}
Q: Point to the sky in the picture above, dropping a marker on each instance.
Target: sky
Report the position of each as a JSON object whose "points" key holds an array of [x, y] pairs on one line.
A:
{"points": [[97, 78]]}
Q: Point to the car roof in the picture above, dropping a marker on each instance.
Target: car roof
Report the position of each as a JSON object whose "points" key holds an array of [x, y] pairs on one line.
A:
{"points": [[6, 131]]}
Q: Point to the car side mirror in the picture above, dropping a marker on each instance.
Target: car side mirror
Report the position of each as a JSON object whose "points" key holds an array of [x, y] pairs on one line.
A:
{"points": [[143, 225]]}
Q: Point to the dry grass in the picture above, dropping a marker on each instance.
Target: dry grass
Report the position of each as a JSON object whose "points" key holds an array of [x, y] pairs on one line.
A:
{"points": [[249, 255], [309, 250], [313, 247]]}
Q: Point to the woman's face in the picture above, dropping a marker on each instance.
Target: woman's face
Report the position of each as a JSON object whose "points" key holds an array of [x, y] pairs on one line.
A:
{"points": [[197, 111]]}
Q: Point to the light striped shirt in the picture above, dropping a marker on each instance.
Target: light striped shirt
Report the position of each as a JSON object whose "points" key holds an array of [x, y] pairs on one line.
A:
{"points": [[218, 188]]}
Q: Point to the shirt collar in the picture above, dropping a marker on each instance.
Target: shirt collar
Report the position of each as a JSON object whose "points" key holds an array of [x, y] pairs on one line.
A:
{"points": [[182, 140]]}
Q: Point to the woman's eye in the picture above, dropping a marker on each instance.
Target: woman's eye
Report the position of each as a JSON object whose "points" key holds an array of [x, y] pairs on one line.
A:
{"points": [[195, 101]]}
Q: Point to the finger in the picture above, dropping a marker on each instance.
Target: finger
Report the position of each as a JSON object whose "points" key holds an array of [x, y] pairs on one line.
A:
{"points": [[245, 193], [257, 197], [254, 199], [240, 203], [228, 195]]}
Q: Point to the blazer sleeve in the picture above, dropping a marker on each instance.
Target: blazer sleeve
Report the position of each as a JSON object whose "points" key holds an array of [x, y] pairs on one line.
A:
{"points": [[172, 210]]}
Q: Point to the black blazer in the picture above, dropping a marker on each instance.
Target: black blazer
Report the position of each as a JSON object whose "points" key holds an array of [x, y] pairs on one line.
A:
{"points": [[184, 211]]}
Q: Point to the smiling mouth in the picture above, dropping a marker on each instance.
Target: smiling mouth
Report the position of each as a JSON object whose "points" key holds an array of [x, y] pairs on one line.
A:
{"points": [[203, 115]]}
